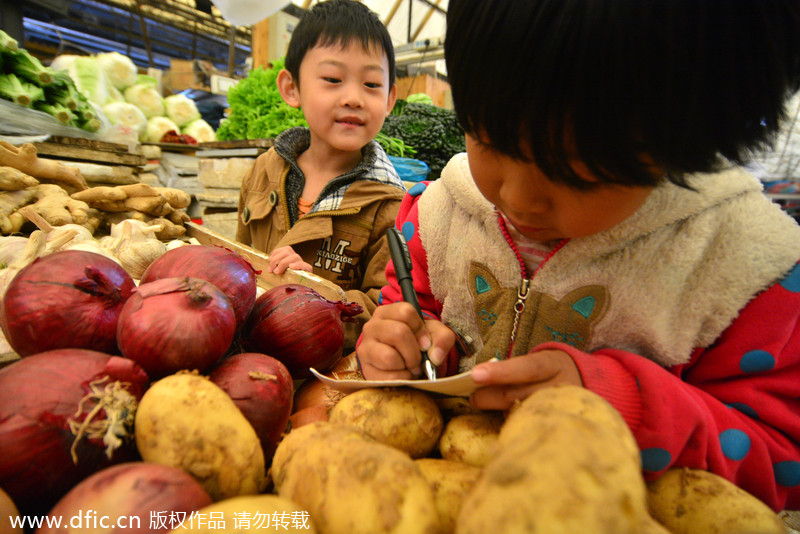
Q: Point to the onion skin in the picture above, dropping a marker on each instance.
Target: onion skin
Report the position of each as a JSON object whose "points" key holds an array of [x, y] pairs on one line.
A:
{"points": [[298, 327], [38, 396], [231, 273], [173, 324], [68, 299], [129, 489], [261, 387]]}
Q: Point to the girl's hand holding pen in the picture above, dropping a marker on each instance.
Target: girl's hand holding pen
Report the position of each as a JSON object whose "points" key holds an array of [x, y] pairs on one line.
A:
{"points": [[393, 338]]}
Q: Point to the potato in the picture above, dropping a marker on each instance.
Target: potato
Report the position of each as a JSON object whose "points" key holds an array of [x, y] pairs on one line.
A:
{"points": [[567, 473], [690, 501], [248, 513], [568, 400], [351, 484], [186, 421], [471, 438], [451, 481], [8, 510], [404, 418]]}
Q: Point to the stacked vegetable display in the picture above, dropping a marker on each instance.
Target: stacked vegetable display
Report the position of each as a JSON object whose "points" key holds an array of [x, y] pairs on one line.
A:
{"points": [[111, 81], [146, 402]]}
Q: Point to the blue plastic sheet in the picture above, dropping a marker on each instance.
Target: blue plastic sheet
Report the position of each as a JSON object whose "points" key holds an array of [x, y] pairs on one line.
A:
{"points": [[410, 170]]}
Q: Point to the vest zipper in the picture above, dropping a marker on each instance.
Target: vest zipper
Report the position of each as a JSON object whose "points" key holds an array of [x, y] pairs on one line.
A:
{"points": [[522, 293], [519, 307]]}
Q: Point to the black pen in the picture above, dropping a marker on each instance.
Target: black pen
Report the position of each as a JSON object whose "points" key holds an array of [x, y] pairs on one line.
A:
{"points": [[401, 259]]}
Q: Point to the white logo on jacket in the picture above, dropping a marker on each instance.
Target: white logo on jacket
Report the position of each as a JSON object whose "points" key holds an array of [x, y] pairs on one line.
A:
{"points": [[337, 256]]}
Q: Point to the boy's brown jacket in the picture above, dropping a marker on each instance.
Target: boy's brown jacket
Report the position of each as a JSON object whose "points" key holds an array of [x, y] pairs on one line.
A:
{"points": [[346, 246]]}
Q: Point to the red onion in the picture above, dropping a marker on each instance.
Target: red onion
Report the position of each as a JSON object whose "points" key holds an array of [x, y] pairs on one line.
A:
{"points": [[68, 299], [125, 496], [261, 387], [299, 327], [227, 270], [175, 323], [64, 414]]}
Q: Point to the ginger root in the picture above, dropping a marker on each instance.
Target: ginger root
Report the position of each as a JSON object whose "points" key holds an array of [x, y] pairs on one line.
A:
{"points": [[10, 201], [25, 159], [55, 206], [12, 179]]}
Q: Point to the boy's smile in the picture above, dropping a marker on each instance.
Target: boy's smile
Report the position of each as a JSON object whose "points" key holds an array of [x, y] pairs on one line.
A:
{"points": [[344, 93]]}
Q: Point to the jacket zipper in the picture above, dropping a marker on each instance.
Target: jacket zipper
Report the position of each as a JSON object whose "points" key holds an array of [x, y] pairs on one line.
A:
{"points": [[331, 213], [522, 293]]}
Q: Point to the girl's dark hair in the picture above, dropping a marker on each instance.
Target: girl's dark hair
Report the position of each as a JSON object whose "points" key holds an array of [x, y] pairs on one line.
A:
{"points": [[338, 22], [607, 81]]}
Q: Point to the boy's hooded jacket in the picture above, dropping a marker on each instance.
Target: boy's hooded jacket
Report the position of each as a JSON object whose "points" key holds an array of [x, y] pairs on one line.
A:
{"points": [[684, 316], [343, 236]]}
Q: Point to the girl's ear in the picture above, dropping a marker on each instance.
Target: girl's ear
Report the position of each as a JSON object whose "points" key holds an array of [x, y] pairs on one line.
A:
{"points": [[288, 88]]}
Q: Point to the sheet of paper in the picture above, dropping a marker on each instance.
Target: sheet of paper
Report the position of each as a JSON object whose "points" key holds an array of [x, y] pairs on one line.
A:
{"points": [[457, 386]]}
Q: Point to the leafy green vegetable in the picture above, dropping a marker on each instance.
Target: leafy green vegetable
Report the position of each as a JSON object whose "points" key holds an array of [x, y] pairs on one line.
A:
{"points": [[18, 91], [394, 146], [419, 98], [257, 109], [7, 43], [62, 90], [433, 131], [60, 112], [27, 67]]}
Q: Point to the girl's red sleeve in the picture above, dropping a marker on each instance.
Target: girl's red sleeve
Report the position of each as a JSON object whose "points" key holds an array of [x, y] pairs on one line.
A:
{"points": [[734, 409]]}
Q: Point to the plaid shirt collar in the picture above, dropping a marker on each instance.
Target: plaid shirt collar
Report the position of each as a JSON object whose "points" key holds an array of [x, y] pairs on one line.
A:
{"points": [[374, 166]]}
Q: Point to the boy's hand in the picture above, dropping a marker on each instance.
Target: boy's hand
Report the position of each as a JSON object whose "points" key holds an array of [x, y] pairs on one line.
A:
{"points": [[286, 258], [392, 339], [505, 382]]}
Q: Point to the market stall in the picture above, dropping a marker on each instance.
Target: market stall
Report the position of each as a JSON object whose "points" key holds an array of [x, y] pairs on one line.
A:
{"points": [[157, 376]]}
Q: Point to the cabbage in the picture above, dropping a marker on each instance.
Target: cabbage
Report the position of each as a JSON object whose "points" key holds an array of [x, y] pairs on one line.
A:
{"points": [[119, 68], [90, 79], [114, 95], [157, 127], [145, 97], [63, 62], [127, 115], [200, 130], [181, 109]]}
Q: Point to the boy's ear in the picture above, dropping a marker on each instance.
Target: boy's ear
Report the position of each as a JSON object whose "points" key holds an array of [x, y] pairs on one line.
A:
{"points": [[288, 88], [392, 99]]}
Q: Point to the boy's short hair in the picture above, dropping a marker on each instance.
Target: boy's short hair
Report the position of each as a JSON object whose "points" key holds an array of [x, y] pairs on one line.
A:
{"points": [[338, 22], [683, 81]]}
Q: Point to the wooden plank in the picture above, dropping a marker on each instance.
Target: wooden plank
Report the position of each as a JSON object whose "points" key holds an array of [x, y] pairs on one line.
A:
{"points": [[87, 154], [260, 262], [93, 144]]}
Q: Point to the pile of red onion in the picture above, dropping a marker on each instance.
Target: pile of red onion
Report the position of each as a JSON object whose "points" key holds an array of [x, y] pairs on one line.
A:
{"points": [[261, 387], [136, 497], [176, 323], [68, 299], [299, 327], [232, 274], [64, 414]]}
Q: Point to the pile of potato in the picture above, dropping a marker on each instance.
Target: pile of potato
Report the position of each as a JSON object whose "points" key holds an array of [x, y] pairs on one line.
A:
{"points": [[396, 460]]}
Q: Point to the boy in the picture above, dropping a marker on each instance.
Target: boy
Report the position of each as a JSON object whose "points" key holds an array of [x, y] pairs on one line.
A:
{"points": [[600, 232], [322, 197]]}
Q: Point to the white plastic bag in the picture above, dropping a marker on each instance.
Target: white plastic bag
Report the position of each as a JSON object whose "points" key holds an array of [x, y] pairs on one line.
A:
{"points": [[248, 12]]}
